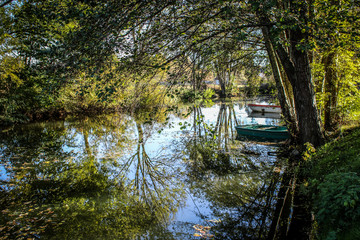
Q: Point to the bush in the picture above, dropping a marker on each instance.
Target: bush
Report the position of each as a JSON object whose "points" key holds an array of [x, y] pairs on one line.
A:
{"points": [[191, 96], [208, 93], [337, 204], [334, 176]]}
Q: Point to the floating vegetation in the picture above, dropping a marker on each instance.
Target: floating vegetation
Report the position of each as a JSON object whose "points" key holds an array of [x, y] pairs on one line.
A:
{"points": [[202, 231]]}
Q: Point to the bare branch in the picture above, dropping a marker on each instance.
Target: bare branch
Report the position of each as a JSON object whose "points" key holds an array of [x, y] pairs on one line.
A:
{"points": [[6, 3]]}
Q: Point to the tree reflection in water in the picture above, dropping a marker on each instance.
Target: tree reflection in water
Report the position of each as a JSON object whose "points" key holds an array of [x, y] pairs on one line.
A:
{"points": [[156, 179], [100, 178], [241, 189], [52, 188], [225, 125]]}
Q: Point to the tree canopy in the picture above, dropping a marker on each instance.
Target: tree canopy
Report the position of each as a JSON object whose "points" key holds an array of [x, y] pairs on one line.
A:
{"points": [[55, 49]]}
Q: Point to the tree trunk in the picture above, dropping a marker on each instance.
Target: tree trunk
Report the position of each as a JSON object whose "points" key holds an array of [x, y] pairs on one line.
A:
{"points": [[283, 95], [193, 78], [297, 68], [330, 92], [221, 78], [305, 102], [295, 62]]}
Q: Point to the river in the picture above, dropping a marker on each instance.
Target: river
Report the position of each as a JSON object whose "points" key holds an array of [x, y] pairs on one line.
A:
{"points": [[178, 175]]}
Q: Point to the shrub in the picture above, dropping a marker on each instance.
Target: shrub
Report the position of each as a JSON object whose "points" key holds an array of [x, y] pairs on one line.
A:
{"points": [[334, 174], [337, 204]]}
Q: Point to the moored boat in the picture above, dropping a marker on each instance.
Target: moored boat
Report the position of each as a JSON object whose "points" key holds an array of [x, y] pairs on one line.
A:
{"points": [[264, 108], [262, 132], [264, 115]]}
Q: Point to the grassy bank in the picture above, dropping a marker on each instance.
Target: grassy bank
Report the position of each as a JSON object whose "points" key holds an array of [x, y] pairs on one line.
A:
{"points": [[334, 185]]}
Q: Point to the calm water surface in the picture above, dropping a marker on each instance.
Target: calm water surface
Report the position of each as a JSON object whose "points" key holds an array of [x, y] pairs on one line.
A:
{"points": [[180, 175]]}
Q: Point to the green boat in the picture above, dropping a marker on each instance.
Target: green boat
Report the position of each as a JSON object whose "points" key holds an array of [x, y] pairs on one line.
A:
{"points": [[262, 132]]}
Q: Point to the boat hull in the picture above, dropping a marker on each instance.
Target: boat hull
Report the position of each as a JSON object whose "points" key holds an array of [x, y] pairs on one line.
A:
{"points": [[265, 108], [262, 132], [265, 115]]}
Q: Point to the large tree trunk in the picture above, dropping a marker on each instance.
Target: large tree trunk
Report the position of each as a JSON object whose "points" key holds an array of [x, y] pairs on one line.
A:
{"points": [[305, 103], [296, 65], [283, 95]]}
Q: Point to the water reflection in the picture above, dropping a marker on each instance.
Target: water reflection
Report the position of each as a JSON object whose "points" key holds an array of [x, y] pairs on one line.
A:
{"points": [[68, 180], [155, 179], [126, 177], [240, 188]]}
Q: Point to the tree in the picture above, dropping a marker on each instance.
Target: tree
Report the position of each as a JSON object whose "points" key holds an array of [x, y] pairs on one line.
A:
{"points": [[290, 41], [335, 41], [283, 86], [186, 24], [144, 35], [230, 57]]}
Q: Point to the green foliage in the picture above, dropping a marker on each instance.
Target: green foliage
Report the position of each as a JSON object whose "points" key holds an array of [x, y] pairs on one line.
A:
{"points": [[30, 75], [336, 20], [188, 95], [337, 205], [208, 93], [258, 86], [336, 62], [51, 191], [62, 49], [48, 70], [334, 184], [342, 155], [347, 92], [205, 158]]}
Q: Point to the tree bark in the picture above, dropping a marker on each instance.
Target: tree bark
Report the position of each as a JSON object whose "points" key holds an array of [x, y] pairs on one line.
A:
{"points": [[297, 68], [222, 79], [295, 62], [330, 92], [283, 95], [305, 102]]}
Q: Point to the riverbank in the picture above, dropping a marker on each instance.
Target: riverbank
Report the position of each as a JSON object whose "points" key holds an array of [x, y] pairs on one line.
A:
{"points": [[70, 104], [333, 185]]}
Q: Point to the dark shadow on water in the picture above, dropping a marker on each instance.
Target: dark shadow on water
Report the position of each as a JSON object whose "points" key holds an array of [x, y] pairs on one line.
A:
{"points": [[260, 140]]}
